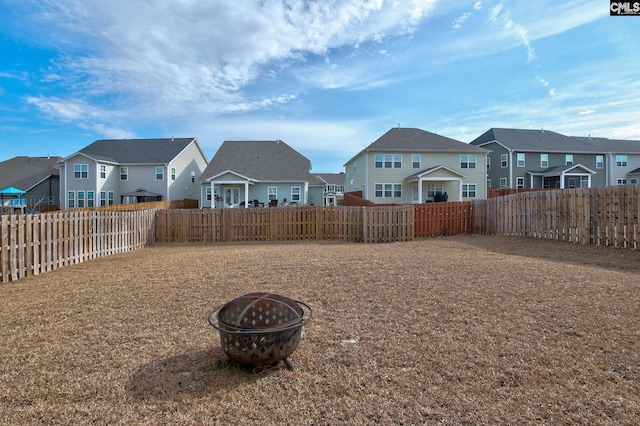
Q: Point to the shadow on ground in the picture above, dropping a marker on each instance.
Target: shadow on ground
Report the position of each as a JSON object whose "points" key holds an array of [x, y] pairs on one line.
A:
{"points": [[607, 257], [191, 375]]}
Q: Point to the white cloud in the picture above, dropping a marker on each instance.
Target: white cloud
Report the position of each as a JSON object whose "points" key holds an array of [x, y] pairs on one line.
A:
{"points": [[457, 23], [160, 58]]}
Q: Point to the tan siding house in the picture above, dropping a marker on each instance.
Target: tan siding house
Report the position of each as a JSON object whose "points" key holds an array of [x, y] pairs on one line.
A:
{"points": [[409, 165]]}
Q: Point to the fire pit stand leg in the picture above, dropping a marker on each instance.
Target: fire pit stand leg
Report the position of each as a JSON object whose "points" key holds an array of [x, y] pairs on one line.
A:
{"points": [[289, 364], [223, 363]]}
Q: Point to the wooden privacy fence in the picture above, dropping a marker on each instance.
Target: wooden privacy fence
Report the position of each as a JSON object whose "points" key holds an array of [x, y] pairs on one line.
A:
{"points": [[31, 244], [448, 218], [355, 224], [601, 216]]}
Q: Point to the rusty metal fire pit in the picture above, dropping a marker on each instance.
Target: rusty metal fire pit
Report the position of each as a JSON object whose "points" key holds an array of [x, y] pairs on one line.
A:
{"points": [[259, 329]]}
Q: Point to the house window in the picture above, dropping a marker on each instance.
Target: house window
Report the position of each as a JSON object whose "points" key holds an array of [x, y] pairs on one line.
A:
{"points": [[272, 193], [103, 171], [434, 188], [468, 190], [584, 181], [378, 190], [295, 194], [488, 183], [110, 198], [544, 160], [388, 190], [621, 160], [173, 173], [503, 182], [568, 159], [90, 199], [207, 192], [81, 171], [468, 161], [520, 159], [572, 182], [599, 161], [193, 177], [124, 173], [519, 182], [634, 181], [414, 192], [504, 160], [416, 161], [397, 190], [159, 173], [622, 181], [103, 198], [546, 182], [397, 161], [71, 200], [378, 161], [388, 161], [81, 199], [488, 163]]}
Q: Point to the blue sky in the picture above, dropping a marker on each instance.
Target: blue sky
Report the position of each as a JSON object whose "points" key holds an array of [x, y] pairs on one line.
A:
{"points": [[328, 77]]}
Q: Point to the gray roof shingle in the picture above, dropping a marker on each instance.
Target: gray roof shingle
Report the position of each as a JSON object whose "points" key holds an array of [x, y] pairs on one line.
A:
{"points": [[524, 140], [399, 139], [136, 151], [260, 160], [25, 172]]}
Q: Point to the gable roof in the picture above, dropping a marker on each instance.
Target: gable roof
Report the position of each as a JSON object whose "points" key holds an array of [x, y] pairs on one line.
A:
{"points": [[525, 140], [26, 172], [259, 160], [558, 170], [408, 139], [416, 176], [136, 151], [331, 178]]}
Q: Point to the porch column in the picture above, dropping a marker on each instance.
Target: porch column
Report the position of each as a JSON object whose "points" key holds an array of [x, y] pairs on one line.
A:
{"points": [[561, 180], [420, 181], [459, 189], [246, 194], [213, 196]]}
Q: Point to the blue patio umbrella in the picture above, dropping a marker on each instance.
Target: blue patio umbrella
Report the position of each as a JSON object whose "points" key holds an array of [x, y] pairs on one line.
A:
{"points": [[11, 191]]}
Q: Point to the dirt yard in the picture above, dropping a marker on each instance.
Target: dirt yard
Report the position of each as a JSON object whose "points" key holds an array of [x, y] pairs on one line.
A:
{"points": [[457, 330]]}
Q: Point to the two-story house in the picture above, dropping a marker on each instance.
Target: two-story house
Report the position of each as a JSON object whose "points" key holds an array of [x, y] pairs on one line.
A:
{"points": [[542, 158], [333, 187], [409, 165], [258, 173], [122, 171]]}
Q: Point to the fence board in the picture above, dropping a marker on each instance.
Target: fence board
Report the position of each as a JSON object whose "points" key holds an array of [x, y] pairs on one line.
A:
{"points": [[34, 244], [603, 216]]}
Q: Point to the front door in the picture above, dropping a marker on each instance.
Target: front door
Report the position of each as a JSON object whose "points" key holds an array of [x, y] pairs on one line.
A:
{"points": [[231, 197]]}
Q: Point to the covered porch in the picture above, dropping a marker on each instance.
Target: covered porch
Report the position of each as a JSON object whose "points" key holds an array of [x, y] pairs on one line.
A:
{"points": [[568, 176], [230, 190], [439, 183]]}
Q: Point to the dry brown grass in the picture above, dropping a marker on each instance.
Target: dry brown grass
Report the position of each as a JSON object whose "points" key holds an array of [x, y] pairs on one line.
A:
{"points": [[459, 330]]}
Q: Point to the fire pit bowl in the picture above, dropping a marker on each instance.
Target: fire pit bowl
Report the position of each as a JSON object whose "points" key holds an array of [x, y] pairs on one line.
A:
{"points": [[260, 328]]}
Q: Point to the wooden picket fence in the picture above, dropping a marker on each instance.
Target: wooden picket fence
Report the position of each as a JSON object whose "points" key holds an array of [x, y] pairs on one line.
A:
{"points": [[32, 244], [355, 224], [442, 219], [601, 216]]}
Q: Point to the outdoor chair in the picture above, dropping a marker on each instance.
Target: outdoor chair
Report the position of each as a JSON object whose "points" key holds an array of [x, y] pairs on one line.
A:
{"points": [[273, 203], [257, 203]]}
